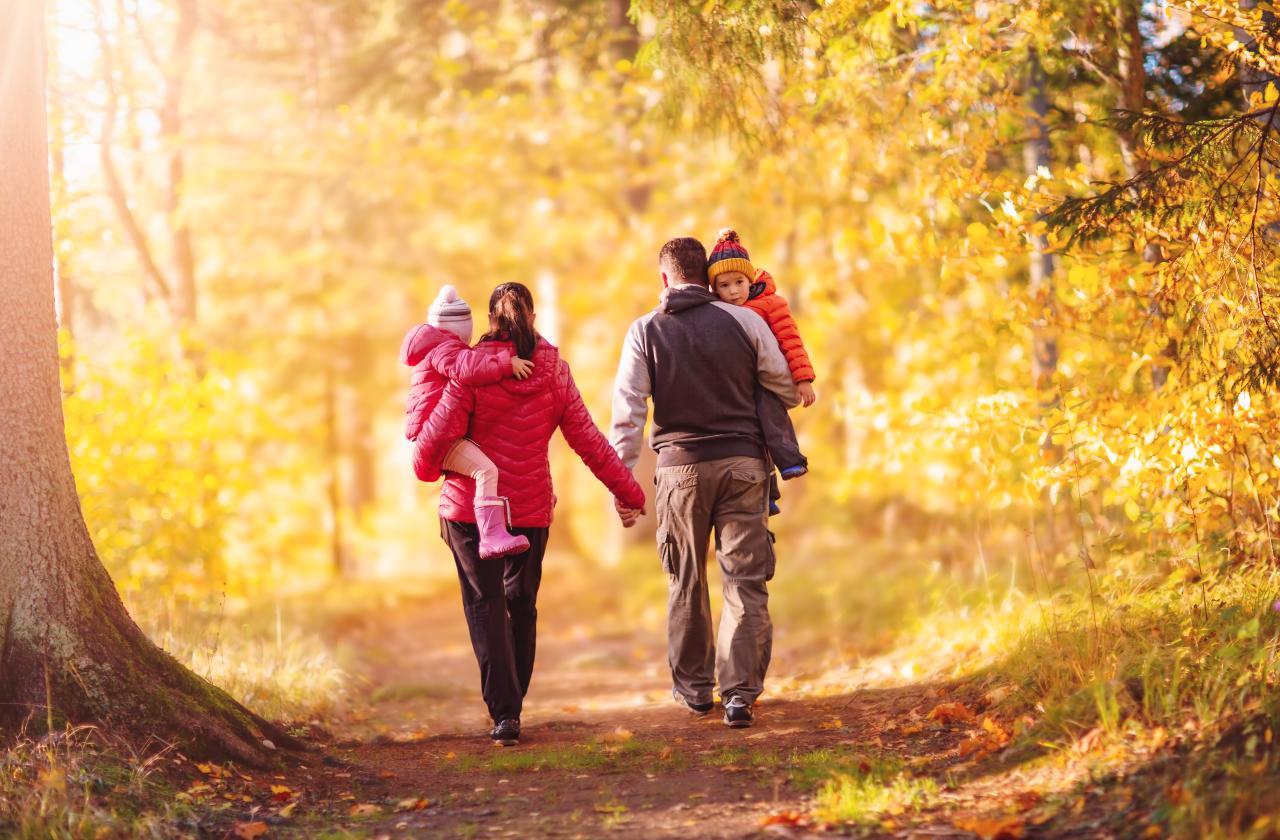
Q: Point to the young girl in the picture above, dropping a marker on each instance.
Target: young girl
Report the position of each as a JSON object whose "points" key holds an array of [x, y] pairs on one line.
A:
{"points": [[440, 351], [735, 280]]}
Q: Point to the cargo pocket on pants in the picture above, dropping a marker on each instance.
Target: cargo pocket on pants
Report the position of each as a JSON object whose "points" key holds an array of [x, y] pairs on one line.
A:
{"points": [[750, 489], [667, 551]]}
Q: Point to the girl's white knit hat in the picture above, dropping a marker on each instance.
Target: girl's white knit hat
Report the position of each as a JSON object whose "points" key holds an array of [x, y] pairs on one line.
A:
{"points": [[450, 312]]}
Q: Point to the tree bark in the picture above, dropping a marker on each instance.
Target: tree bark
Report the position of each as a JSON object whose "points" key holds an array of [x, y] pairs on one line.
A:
{"points": [[64, 299], [69, 652], [1131, 72], [1044, 341]]}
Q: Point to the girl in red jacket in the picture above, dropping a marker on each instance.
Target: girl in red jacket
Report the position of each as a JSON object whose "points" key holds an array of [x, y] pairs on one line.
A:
{"points": [[440, 352], [513, 420], [735, 280]]}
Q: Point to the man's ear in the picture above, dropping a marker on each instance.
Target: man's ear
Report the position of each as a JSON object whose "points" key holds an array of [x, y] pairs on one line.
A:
{"points": [[665, 282]]}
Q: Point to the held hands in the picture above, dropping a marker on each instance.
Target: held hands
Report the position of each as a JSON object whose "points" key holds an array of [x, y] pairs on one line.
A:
{"points": [[628, 515], [808, 396], [521, 368]]}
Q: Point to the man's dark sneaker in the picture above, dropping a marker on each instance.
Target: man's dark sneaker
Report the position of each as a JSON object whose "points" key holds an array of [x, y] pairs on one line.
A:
{"points": [[737, 714], [506, 733], [793, 472], [774, 510], [696, 708]]}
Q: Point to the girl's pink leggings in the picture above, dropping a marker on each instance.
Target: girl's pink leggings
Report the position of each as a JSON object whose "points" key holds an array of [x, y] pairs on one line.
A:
{"points": [[468, 459]]}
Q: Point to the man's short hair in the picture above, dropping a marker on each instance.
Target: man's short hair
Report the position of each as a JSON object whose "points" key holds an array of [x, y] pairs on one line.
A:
{"points": [[684, 260]]}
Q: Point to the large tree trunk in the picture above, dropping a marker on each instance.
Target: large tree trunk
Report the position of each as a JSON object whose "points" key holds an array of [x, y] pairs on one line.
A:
{"points": [[68, 649]]}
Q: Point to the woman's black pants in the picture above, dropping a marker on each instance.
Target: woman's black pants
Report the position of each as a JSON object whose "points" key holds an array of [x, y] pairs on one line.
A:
{"points": [[500, 601]]}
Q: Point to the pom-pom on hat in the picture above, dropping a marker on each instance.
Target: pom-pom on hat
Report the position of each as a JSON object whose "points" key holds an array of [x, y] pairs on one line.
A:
{"points": [[729, 255], [450, 312]]}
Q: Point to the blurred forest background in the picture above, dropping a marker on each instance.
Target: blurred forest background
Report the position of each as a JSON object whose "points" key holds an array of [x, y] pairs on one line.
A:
{"points": [[1030, 246], [253, 201]]}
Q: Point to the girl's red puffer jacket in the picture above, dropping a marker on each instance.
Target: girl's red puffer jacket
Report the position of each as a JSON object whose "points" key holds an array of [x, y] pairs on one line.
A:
{"points": [[512, 421], [438, 356]]}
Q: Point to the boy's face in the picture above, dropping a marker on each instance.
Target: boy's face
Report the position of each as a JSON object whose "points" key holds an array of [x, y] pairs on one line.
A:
{"points": [[733, 287]]}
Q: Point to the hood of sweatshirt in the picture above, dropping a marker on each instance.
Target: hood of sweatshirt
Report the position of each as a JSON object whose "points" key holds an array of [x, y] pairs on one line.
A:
{"points": [[680, 298]]}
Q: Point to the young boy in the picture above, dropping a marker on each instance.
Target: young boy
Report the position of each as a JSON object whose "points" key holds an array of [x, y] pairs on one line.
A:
{"points": [[735, 280]]}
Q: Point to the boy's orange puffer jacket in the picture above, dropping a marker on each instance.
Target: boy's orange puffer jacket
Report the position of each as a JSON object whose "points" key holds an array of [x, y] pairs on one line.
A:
{"points": [[777, 314]]}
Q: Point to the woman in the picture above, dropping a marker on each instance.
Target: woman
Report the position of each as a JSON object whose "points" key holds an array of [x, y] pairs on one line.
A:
{"points": [[512, 421]]}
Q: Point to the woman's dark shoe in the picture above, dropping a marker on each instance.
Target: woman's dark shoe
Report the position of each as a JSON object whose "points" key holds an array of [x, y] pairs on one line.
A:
{"points": [[794, 471], [737, 714], [506, 733]]}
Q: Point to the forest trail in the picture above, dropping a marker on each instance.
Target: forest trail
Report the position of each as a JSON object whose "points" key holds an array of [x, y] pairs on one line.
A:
{"points": [[606, 752]]}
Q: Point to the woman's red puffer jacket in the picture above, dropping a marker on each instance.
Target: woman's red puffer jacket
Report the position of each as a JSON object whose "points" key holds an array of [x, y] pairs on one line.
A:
{"points": [[512, 421]]}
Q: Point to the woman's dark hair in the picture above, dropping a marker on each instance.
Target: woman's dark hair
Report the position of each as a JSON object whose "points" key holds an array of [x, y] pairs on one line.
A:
{"points": [[511, 316]]}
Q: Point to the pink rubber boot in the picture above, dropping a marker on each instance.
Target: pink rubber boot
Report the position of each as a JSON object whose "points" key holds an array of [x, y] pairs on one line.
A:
{"points": [[493, 517]]}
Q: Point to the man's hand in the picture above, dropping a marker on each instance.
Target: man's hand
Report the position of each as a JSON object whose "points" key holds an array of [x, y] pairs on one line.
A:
{"points": [[628, 515], [808, 396], [521, 368]]}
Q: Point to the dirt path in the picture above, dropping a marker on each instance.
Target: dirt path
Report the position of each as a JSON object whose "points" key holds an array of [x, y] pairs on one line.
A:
{"points": [[607, 753]]}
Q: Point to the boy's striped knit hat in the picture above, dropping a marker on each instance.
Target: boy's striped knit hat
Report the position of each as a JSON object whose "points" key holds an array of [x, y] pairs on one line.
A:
{"points": [[729, 255]]}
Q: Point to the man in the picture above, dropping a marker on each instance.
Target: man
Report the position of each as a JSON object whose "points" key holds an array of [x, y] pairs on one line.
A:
{"points": [[701, 360]]}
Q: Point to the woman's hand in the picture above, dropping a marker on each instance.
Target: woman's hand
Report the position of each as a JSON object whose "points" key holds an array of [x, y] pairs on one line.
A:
{"points": [[521, 368], [626, 514], [808, 396]]}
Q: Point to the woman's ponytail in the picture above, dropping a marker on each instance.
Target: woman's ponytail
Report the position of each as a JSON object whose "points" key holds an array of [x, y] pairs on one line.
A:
{"points": [[511, 318]]}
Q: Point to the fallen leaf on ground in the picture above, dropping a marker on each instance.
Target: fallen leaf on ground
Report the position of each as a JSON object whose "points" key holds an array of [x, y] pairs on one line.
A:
{"points": [[281, 793], [950, 713], [364, 809], [249, 830], [787, 818], [386, 774], [413, 804], [619, 736], [664, 753], [1028, 799], [834, 723], [997, 695], [1088, 741], [998, 828], [287, 811]]}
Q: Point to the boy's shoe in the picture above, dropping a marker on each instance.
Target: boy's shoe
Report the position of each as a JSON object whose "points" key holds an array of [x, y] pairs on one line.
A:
{"points": [[737, 714], [774, 510], [793, 472], [696, 708], [506, 733]]}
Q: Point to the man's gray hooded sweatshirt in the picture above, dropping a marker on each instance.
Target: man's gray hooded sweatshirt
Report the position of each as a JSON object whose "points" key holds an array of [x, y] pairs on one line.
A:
{"points": [[700, 359]]}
